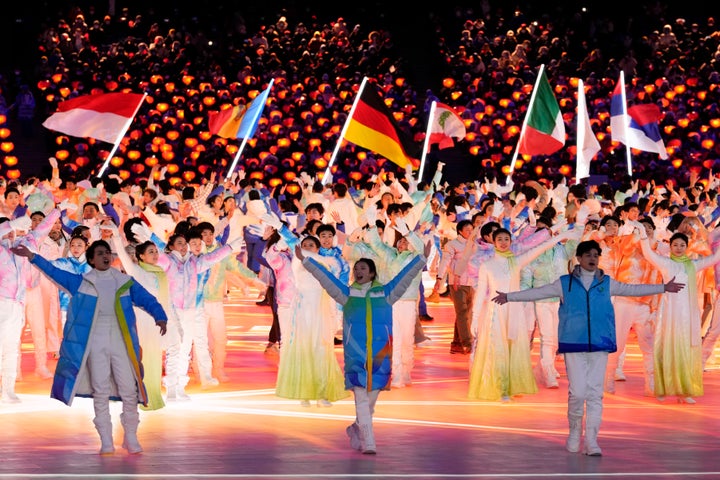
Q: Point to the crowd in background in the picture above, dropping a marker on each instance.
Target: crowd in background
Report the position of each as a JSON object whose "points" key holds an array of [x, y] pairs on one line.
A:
{"points": [[486, 60]]}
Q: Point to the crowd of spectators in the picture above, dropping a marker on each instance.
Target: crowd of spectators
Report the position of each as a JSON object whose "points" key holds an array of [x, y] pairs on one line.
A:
{"points": [[192, 64]]}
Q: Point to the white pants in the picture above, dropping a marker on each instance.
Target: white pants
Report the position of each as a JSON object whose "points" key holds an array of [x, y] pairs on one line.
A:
{"points": [[546, 314], [191, 330], [631, 314], [586, 379], [713, 333], [42, 313], [12, 319], [217, 334], [108, 362], [404, 317]]}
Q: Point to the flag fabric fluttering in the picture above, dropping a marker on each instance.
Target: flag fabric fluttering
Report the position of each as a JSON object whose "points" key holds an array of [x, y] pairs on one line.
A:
{"points": [[240, 121], [587, 143], [103, 116], [445, 125], [636, 127], [544, 132], [372, 126]]}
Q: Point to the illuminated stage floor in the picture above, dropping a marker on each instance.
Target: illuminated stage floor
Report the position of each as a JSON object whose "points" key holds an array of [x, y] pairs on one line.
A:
{"points": [[429, 430]]}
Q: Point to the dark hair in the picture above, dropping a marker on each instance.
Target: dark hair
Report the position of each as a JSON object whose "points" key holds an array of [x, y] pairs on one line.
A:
{"points": [[370, 264], [316, 206], [78, 231], [586, 246], [41, 213], [90, 252], [681, 236], [325, 227], [312, 239], [10, 190], [174, 237], [182, 227], [647, 220], [487, 228], [462, 224], [91, 204], [309, 226], [188, 193], [499, 231], [607, 218], [141, 248], [80, 237], [192, 233], [393, 208], [127, 229], [205, 226]]}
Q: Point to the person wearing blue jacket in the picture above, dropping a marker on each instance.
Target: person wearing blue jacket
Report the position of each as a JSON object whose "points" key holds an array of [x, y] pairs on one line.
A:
{"points": [[100, 353], [586, 335], [367, 334]]}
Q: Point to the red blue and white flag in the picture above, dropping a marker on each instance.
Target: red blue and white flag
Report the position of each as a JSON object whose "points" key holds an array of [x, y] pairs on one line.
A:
{"points": [[637, 126]]}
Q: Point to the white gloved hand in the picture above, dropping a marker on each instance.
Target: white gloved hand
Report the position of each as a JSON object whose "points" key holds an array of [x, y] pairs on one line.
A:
{"points": [[497, 209], [272, 220], [402, 226], [236, 244], [53, 162], [21, 223], [559, 225], [65, 205], [371, 215], [582, 215], [141, 231], [221, 225]]}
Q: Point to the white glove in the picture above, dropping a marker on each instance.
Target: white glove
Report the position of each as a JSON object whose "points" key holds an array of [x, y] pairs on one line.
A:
{"points": [[371, 215], [272, 220], [582, 215], [53, 162], [242, 174], [21, 223], [559, 225], [402, 227], [27, 190], [222, 225], [236, 244], [328, 178], [408, 170], [141, 231], [497, 209]]}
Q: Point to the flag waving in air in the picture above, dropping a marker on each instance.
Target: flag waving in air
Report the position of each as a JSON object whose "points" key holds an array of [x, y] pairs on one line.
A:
{"points": [[240, 121], [636, 127], [372, 126], [587, 143], [445, 125], [544, 130], [104, 116]]}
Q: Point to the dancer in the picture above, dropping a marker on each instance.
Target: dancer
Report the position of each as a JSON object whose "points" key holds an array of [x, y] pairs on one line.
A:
{"points": [[367, 334], [586, 335], [100, 353]]}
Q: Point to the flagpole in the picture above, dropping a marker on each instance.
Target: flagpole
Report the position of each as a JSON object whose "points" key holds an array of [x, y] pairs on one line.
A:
{"points": [[427, 140], [625, 122], [245, 140], [120, 136], [525, 120], [326, 175]]}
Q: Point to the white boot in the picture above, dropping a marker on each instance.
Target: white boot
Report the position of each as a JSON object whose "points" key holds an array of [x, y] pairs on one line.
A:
{"points": [[353, 432], [592, 427], [8, 389], [130, 440], [107, 446], [364, 420], [573, 441]]}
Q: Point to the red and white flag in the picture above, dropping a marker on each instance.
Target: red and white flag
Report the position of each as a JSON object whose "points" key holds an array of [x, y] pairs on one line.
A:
{"points": [[445, 125], [104, 117]]}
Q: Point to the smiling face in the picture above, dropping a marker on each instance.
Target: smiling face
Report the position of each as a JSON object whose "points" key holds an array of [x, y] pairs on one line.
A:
{"points": [[362, 272], [309, 245], [180, 245], [326, 239], [151, 255], [502, 242]]}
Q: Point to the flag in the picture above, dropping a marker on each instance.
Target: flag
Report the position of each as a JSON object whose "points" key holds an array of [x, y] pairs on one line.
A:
{"points": [[372, 126], [544, 131], [104, 116], [587, 143], [636, 127], [445, 125], [240, 121]]}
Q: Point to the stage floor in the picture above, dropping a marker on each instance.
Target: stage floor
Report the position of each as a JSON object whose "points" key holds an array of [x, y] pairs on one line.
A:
{"points": [[428, 430]]}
